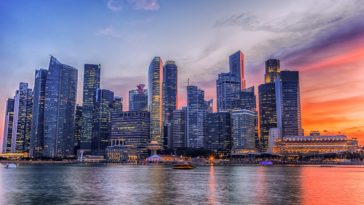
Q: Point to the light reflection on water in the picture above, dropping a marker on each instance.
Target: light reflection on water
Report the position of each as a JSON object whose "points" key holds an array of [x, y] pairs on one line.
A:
{"points": [[120, 184]]}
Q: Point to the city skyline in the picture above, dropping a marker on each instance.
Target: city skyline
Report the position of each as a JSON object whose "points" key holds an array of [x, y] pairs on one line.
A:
{"points": [[330, 101]]}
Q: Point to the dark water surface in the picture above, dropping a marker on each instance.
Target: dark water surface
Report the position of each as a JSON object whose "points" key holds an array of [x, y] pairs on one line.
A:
{"points": [[163, 185]]}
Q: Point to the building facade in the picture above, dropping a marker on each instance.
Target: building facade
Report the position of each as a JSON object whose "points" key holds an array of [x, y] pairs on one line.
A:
{"points": [[155, 84], [179, 128], [22, 121], [227, 87], [272, 70], [245, 99], [37, 130], [138, 99], [243, 131], [8, 126], [59, 112], [218, 136], [91, 82], [236, 64], [78, 128]]}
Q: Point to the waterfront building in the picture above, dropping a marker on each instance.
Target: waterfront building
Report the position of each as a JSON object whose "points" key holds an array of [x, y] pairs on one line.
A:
{"points": [[59, 112], [8, 126], [272, 70], [22, 121], [78, 125], [245, 99], [288, 104], [218, 136], [274, 134], [236, 64], [170, 100], [155, 79], [179, 128], [133, 127], [119, 152], [37, 129], [138, 99], [196, 117], [314, 145], [267, 112], [101, 129], [243, 131], [91, 82], [227, 87]]}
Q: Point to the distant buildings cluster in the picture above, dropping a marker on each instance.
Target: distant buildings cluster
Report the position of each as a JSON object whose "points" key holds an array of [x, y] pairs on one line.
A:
{"points": [[46, 122]]}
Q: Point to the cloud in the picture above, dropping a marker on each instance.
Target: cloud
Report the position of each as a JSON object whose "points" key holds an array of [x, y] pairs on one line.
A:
{"points": [[108, 31], [117, 5]]}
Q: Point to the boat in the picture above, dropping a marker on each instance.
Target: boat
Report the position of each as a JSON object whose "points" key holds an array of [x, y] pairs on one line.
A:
{"points": [[266, 163], [183, 165], [10, 166]]}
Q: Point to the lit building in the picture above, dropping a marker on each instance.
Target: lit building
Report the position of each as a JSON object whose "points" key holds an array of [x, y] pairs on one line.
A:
{"points": [[104, 106], [22, 121], [245, 99], [133, 128], [309, 145], [243, 131], [91, 82], [118, 104], [274, 134], [37, 130], [267, 112], [138, 99], [8, 126], [236, 64], [227, 86], [119, 152], [218, 137], [155, 78], [78, 125], [179, 128], [196, 117], [272, 70], [59, 111], [287, 88]]}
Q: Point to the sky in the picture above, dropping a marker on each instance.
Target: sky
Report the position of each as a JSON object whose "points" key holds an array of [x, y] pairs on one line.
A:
{"points": [[324, 40]]}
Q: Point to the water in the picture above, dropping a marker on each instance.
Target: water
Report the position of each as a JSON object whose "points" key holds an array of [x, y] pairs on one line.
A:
{"points": [[121, 184]]}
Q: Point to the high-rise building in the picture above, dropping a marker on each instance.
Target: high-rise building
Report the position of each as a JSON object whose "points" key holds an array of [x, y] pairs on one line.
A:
{"points": [[170, 100], [8, 126], [155, 78], [244, 131], [245, 99], [267, 112], [272, 70], [218, 136], [37, 130], [133, 128], [196, 117], [236, 62], [138, 99], [118, 104], [179, 128], [287, 88], [22, 123], [104, 106], [78, 125], [91, 82], [227, 87], [59, 112]]}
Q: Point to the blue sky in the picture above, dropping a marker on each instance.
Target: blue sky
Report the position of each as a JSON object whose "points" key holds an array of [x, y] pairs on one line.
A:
{"points": [[124, 36]]}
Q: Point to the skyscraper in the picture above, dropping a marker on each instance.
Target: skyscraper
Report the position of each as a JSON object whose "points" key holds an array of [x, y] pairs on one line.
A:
{"points": [[118, 104], [37, 130], [22, 123], [78, 125], [267, 112], [133, 127], [155, 78], [236, 62], [287, 88], [138, 99], [244, 131], [272, 70], [179, 128], [218, 137], [170, 100], [104, 106], [59, 112], [227, 86], [91, 82], [245, 99], [8, 126], [196, 117]]}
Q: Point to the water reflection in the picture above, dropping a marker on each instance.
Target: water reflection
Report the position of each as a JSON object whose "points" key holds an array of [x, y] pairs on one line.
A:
{"points": [[162, 185]]}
